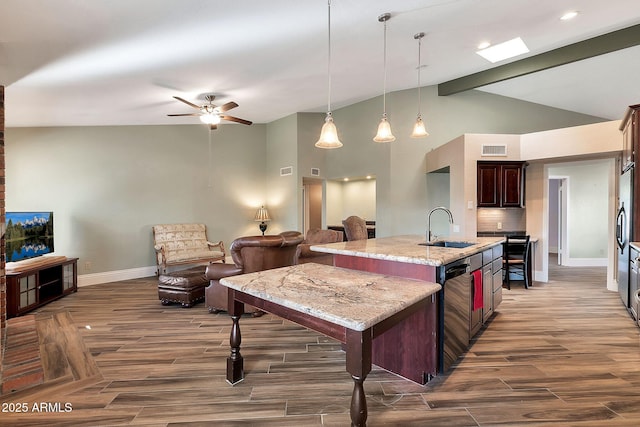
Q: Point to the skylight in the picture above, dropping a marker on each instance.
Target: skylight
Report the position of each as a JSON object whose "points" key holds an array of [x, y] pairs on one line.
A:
{"points": [[569, 15], [503, 51]]}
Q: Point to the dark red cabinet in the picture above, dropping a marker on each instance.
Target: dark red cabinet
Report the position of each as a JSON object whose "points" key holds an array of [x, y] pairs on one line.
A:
{"points": [[500, 184]]}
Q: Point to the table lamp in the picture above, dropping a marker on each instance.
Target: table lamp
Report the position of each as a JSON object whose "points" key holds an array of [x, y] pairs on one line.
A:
{"points": [[262, 215]]}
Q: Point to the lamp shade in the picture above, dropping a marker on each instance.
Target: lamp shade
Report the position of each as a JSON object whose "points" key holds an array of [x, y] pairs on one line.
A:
{"points": [[384, 131], [262, 214], [329, 134]]}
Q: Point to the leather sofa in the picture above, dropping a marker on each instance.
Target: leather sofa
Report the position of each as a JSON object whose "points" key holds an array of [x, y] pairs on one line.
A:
{"points": [[249, 254], [317, 236]]}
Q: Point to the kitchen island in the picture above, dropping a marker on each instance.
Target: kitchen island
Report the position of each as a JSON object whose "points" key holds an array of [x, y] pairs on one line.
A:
{"points": [[408, 249], [414, 348], [350, 306]]}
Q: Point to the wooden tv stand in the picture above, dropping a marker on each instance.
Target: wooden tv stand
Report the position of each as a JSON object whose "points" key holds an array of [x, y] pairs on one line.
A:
{"points": [[34, 283]]}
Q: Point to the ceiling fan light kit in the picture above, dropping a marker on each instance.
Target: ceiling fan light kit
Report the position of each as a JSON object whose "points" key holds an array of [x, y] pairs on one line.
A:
{"points": [[384, 133], [329, 133], [210, 119], [210, 113]]}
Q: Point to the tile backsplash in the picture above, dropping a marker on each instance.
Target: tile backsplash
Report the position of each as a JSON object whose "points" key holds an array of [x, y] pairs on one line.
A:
{"points": [[511, 219]]}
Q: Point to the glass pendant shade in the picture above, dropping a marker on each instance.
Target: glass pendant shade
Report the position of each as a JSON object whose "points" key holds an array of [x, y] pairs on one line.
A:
{"points": [[384, 128], [329, 134], [384, 131], [419, 130], [210, 119]]}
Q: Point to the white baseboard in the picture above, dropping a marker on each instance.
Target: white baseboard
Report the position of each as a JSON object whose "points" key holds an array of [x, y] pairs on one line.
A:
{"points": [[585, 262], [539, 277], [115, 276], [132, 273]]}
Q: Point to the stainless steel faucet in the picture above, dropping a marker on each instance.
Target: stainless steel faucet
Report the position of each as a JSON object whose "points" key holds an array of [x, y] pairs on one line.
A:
{"points": [[439, 208]]}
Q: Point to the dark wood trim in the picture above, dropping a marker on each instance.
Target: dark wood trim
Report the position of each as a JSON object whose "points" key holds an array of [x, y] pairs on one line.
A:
{"points": [[326, 328]]}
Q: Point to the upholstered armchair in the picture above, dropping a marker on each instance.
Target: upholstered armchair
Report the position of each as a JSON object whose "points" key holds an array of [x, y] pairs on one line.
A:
{"points": [[317, 236], [355, 228], [249, 254]]}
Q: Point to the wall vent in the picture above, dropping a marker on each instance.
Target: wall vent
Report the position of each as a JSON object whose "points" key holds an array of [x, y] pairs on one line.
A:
{"points": [[286, 171], [494, 150], [315, 172]]}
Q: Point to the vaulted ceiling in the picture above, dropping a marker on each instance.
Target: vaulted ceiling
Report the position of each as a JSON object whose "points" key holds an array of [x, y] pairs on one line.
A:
{"points": [[120, 62]]}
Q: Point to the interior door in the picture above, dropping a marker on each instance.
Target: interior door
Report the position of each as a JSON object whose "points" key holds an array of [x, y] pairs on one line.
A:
{"points": [[311, 203], [558, 215], [561, 218]]}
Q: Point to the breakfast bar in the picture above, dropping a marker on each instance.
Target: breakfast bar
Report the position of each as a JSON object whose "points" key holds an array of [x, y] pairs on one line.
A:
{"points": [[353, 307]]}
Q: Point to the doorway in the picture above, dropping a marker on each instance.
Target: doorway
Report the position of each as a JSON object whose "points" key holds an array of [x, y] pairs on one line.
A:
{"points": [[311, 203], [578, 215]]}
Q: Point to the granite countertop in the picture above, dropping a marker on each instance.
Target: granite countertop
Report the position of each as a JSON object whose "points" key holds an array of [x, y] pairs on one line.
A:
{"points": [[408, 249], [636, 245], [353, 299]]}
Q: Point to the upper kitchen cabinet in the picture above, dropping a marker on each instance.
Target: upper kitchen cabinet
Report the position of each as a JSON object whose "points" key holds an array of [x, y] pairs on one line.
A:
{"points": [[500, 184], [630, 136]]}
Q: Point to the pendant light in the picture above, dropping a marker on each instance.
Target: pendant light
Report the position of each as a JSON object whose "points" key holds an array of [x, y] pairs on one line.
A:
{"points": [[329, 133], [419, 130], [384, 128]]}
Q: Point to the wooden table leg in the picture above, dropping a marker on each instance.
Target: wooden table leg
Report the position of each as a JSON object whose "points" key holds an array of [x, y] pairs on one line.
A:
{"points": [[235, 362], [358, 365]]}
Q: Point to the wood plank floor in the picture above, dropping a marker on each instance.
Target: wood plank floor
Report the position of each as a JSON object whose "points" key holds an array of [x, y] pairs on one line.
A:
{"points": [[561, 353]]}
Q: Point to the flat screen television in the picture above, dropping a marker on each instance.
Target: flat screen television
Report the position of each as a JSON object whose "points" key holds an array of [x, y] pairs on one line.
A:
{"points": [[28, 235]]}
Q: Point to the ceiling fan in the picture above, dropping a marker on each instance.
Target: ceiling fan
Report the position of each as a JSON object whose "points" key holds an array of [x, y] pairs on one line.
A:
{"points": [[210, 113]]}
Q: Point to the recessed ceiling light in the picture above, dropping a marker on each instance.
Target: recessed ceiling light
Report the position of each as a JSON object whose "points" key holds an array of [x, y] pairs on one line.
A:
{"points": [[484, 45], [569, 15], [505, 50]]}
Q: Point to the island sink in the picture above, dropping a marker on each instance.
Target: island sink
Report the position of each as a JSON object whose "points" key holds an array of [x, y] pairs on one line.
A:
{"points": [[447, 244]]}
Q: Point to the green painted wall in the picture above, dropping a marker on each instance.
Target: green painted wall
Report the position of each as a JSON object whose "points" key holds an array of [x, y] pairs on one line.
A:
{"points": [[109, 185]]}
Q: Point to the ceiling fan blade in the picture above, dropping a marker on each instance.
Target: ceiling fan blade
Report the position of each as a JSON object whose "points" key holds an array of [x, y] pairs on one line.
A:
{"points": [[228, 106], [235, 119], [186, 114], [187, 102], [213, 127]]}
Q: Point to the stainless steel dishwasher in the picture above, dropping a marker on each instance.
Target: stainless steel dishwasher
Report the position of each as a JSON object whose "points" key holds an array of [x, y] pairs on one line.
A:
{"points": [[454, 318]]}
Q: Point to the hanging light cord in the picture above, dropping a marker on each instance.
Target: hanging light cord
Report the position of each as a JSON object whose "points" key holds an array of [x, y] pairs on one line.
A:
{"points": [[329, 61], [384, 79], [419, 37]]}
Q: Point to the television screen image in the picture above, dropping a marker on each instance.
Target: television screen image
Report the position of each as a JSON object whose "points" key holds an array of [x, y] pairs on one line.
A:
{"points": [[28, 235]]}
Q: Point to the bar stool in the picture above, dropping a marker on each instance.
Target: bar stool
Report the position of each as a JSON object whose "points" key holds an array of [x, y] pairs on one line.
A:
{"points": [[516, 259]]}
